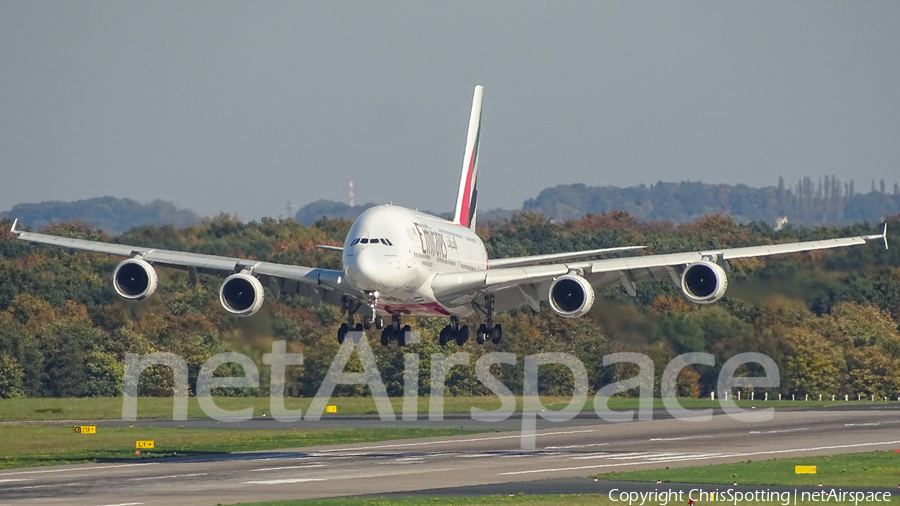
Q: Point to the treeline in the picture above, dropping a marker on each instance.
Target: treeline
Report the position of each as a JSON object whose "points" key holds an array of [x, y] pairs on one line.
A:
{"points": [[828, 319], [110, 214], [826, 201]]}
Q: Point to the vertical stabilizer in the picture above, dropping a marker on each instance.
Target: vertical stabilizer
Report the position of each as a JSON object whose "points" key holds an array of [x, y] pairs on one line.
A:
{"points": [[467, 196]]}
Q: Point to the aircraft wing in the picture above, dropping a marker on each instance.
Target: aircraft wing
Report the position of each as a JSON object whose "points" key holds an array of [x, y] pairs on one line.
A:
{"points": [[529, 285], [320, 284], [537, 259]]}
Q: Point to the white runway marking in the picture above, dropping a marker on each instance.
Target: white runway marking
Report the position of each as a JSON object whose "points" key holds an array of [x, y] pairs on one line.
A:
{"points": [[169, 476], [124, 504], [15, 479], [285, 467], [702, 457], [447, 441], [76, 469], [42, 486], [683, 438], [279, 482], [575, 446], [776, 431]]}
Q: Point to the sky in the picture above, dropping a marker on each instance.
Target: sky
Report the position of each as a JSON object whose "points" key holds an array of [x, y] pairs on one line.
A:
{"points": [[242, 107]]}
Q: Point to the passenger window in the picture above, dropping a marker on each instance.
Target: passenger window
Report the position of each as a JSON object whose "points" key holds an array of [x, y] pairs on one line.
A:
{"points": [[364, 240]]}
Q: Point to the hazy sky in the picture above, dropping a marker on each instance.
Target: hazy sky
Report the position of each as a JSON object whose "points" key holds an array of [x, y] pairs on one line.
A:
{"points": [[243, 106]]}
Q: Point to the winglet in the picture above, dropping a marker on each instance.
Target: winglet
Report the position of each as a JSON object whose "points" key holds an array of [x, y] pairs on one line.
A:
{"points": [[884, 235], [13, 230]]}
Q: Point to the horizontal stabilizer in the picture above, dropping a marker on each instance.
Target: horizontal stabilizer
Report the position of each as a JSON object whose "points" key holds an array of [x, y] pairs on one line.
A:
{"points": [[332, 248]]}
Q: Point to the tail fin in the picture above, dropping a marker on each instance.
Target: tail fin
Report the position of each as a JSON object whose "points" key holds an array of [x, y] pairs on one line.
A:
{"points": [[466, 199]]}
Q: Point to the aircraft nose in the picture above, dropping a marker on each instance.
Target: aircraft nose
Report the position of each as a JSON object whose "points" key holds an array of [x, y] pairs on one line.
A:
{"points": [[373, 271]]}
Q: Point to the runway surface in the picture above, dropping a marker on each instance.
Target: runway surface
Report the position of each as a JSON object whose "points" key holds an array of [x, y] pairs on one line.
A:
{"points": [[495, 462]]}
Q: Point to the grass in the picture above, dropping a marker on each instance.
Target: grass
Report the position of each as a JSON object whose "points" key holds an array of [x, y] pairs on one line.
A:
{"points": [[529, 500], [100, 408], [868, 469], [45, 445]]}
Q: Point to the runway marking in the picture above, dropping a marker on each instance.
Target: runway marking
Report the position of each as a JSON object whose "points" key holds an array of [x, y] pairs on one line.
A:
{"points": [[475, 455], [285, 467], [15, 479], [682, 438], [575, 446], [777, 431], [869, 424], [448, 441], [169, 476], [289, 480], [42, 486], [701, 457], [124, 504], [76, 469]]}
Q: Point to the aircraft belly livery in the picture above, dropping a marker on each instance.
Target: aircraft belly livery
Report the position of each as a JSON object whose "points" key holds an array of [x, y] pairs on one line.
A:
{"points": [[398, 262]]}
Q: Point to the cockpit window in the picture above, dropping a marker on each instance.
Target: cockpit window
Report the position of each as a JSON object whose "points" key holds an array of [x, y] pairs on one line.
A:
{"points": [[373, 241], [386, 242], [364, 240], [354, 241]]}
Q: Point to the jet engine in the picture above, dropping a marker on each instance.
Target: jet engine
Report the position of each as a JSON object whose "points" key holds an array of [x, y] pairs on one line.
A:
{"points": [[135, 279], [241, 294], [571, 296], [704, 282]]}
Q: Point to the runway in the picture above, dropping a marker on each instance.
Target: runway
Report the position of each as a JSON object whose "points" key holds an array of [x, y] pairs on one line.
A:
{"points": [[494, 460]]}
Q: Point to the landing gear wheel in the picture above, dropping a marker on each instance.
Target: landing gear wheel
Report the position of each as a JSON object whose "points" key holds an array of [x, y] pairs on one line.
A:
{"points": [[379, 322], [481, 334], [462, 335], [497, 334], [444, 336], [401, 336], [367, 322], [359, 327], [386, 336], [342, 332]]}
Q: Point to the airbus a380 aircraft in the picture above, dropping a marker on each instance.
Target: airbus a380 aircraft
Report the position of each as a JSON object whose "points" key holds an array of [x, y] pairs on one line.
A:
{"points": [[398, 262]]}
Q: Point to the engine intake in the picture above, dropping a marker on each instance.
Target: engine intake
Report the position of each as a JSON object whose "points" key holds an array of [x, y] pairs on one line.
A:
{"points": [[242, 294], [704, 282], [135, 279], [571, 296]]}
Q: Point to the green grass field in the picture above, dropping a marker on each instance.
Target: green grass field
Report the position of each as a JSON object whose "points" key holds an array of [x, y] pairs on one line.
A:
{"points": [[44, 445], [530, 500], [868, 469], [100, 408]]}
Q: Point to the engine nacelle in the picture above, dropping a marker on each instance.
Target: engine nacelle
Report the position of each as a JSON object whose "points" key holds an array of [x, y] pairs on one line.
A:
{"points": [[571, 296], [241, 294], [704, 282], [135, 279]]}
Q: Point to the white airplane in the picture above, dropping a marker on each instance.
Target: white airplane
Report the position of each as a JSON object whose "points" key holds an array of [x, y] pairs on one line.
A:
{"points": [[399, 262]]}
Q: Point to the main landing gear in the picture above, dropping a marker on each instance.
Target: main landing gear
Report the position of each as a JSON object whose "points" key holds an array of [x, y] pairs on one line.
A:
{"points": [[486, 331], [392, 332], [454, 332]]}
